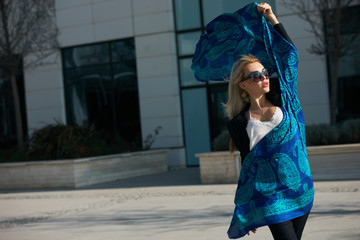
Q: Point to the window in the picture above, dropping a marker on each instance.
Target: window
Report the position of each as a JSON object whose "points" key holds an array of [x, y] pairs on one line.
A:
{"points": [[101, 88], [7, 110], [187, 14]]}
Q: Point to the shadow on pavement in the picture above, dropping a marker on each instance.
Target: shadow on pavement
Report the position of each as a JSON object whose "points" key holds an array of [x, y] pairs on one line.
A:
{"points": [[179, 177]]}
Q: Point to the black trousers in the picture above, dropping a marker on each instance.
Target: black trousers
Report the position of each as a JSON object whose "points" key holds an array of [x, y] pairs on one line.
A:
{"points": [[289, 230]]}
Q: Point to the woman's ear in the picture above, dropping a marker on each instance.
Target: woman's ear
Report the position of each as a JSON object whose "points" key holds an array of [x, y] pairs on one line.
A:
{"points": [[242, 85]]}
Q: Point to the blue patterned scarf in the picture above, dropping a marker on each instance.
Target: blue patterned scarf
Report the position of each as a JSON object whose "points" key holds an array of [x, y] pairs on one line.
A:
{"points": [[275, 183]]}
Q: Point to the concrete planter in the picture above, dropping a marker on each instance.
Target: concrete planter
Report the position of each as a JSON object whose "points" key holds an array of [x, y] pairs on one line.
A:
{"points": [[219, 167], [81, 172], [333, 162]]}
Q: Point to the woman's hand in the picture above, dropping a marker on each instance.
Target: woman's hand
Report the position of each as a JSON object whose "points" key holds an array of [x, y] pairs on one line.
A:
{"points": [[268, 13], [254, 231]]}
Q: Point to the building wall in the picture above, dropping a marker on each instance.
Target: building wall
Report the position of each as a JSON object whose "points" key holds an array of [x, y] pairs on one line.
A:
{"points": [[89, 21], [312, 80], [44, 93], [151, 23]]}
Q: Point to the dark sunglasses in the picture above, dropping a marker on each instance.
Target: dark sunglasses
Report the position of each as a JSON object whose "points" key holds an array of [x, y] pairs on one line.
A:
{"points": [[257, 76]]}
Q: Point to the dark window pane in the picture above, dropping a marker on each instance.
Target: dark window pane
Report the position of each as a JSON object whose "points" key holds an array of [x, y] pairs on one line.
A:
{"points": [[187, 14], [126, 101], [218, 96], [89, 92], [350, 23], [102, 90], [86, 55], [348, 98], [124, 76], [123, 50], [7, 109]]}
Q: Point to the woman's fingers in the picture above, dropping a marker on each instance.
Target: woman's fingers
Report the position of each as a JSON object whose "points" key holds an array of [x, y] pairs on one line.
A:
{"points": [[254, 231], [264, 8], [267, 12]]}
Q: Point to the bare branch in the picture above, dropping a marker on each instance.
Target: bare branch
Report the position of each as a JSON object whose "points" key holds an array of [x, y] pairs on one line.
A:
{"points": [[26, 27], [335, 26], [325, 18]]}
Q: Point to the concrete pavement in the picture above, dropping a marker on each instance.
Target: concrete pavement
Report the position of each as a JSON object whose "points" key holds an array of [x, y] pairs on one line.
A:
{"points": [[171, 205]]}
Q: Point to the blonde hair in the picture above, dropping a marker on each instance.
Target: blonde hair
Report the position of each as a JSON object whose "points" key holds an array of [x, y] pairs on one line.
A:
{"points": [[236, 102]]}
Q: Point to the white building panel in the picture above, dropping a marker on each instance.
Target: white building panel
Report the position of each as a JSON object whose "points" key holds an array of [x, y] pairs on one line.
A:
{"points": [[154, 23], [114, 29], [76, 35], [157, 66], [159, 86], [74, 16], [44, 93], [169, 137], [155, 45], [158, 107], [60, 4], [110, 10], [145, 7]]}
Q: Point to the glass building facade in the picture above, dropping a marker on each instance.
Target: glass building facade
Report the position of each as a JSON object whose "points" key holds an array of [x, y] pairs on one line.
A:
{"points": [[125, 69], [202, 109]]}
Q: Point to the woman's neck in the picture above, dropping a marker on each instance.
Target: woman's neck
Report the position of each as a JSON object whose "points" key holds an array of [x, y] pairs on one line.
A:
{"points": [[259, 102]]}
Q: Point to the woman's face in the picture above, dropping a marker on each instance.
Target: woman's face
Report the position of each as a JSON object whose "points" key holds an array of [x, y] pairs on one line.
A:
{"points": [[255, 89]]}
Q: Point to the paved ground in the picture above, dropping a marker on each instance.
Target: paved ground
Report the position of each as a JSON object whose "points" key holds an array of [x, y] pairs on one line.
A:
{"points": [[171, 205]]}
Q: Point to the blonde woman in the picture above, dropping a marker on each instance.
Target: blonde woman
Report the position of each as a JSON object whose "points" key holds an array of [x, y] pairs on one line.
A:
{"points": [[275, 186], [255, 108]]}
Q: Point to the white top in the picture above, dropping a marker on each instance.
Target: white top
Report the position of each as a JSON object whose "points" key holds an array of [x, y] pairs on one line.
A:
{"points": [[256, 129]]}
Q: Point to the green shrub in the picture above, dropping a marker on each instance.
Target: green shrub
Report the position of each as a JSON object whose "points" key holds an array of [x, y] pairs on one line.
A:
{"points": [[326, 134], [322, 134], [58, 141], [62, 142], [350, 131], [11, 155]]}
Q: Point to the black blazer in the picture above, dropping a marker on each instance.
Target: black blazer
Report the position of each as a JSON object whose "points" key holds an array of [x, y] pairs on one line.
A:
{"points": [[237, 125]]}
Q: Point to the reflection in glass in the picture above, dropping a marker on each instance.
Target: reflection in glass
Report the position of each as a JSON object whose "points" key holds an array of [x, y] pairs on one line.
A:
{"points": [[187, 42], [102, 90], [196, 123], [123, 50], [89, 94], [187, 14], [186, 74], [86, 55], [219, 96], [126, 100]]}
